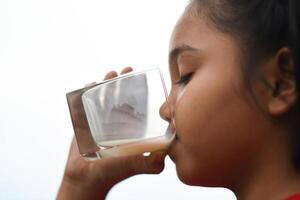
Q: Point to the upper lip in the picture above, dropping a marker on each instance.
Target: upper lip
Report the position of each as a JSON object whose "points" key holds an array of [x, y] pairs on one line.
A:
{"points": [[174, 140], [176, 136]]}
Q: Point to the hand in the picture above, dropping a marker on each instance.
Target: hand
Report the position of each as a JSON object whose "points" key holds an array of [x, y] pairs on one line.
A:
{"points": [[93, 179]]}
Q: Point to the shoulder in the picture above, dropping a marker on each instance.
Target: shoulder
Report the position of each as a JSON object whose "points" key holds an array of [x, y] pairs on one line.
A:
{"points": [[294, 197]]}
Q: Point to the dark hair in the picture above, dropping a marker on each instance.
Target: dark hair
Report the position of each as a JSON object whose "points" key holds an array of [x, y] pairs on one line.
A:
{"points": [[262, 28]]}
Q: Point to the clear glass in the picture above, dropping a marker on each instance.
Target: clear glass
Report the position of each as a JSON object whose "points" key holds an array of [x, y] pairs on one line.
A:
{"points": [[120, 116]]}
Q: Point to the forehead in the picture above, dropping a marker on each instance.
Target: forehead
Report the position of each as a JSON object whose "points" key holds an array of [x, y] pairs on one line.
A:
{"points": [[214, 48], [190, 27], [195, 29]]}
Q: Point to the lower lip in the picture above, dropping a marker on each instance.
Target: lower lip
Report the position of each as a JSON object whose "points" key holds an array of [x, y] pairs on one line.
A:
{"points": [[172, 151]]}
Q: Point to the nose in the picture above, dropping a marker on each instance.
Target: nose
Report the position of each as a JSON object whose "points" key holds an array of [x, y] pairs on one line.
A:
{"points": [[165, 112]]}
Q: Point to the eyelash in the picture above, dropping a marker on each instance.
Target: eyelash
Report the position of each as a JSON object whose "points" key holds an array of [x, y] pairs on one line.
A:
{"points": [[184, 80]]}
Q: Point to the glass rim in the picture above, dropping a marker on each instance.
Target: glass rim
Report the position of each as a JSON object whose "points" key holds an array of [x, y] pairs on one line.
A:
{"points": [[129, 74], [121, 76]]}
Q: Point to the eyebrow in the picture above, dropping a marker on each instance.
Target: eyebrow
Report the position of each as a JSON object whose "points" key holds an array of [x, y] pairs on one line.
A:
{"points": [[175, 53]]}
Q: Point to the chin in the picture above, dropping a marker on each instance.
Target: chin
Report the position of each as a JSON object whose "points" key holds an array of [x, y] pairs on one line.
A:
{"points": [[197, 179], [185, 179], [187, 176], [188, 169], [193, 174]]}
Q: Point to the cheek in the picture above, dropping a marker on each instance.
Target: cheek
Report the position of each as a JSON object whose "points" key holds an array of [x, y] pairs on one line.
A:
{"points": [[210, 119]]}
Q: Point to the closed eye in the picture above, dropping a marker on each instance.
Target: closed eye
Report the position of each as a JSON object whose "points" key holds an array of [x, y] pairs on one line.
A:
{"points": [[184, 80]]}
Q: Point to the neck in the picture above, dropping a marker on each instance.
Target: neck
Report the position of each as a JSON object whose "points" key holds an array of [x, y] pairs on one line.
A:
{"points": [[274, 175]]}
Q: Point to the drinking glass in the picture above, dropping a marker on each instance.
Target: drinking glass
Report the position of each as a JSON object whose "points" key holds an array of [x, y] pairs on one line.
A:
{"points": [[120, 116]]}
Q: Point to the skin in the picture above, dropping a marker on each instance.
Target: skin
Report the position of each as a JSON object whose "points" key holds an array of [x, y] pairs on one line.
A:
{"points": [[94, 179], [227, 136]]}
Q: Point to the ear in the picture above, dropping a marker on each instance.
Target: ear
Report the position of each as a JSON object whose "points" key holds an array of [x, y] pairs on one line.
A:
{"points": [[283, 83]]}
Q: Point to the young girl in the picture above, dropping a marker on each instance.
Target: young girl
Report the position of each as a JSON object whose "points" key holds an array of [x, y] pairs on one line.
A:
{"points": [[235, 70]]}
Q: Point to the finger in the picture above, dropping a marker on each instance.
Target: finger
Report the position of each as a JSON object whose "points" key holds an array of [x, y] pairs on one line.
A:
{"points": [[118, 169], [110, 75], [126, 70], [152, 164], [90, 84]]}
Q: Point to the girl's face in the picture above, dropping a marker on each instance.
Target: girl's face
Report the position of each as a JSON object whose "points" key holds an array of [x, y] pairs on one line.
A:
{"points": [[217, 123]]}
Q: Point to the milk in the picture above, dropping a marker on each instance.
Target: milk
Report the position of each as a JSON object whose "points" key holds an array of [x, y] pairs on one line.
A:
{"points": [[133, 147]]}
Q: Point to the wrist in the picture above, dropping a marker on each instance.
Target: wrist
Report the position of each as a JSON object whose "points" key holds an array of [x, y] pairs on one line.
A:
{"points": [[79, 190]]}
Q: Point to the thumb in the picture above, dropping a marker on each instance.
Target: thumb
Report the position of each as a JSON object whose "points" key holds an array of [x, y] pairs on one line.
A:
{"points": [[113, 170], [152, 164]]}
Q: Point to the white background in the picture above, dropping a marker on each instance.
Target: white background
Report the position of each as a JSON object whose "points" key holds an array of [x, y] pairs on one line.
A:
{"points": [[50, 47]]}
